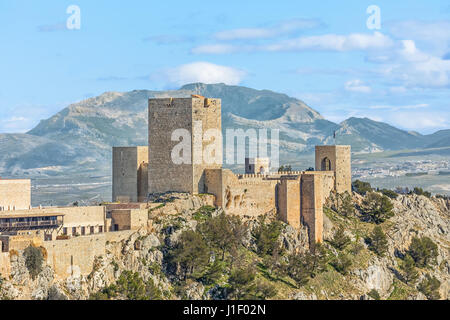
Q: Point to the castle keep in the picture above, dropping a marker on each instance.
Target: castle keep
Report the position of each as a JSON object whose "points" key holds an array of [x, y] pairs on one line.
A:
{"points": [[296, 197]]}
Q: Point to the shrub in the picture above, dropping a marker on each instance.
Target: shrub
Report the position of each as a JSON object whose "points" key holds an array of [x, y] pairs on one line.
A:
{"points": [[266, 236], [377, 208], [430, 287], [361, 187], [421, 192], [303, 266], [377, 241], [131, 286], [389, 193], [346, 206], [223, 233], [33, 260], [409, 272], [340, 240], [241, 283], [374, 294], [341, 263], [191, 253], [424, 251], [204, 213]]}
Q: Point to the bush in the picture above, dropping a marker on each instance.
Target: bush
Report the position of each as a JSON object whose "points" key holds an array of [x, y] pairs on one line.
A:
{"points": [[303, 266], [131, 286], [409, 272], [377, 208], [340, 240], [421, 192], [33, 260], [346, 206], [191, 253], [374, 294], [430, 287], [266, 236], [377, 241], [241, 283], [361, 187], [204, 213], [424, 251], [389, 193], [341, 263], [223, 233]]}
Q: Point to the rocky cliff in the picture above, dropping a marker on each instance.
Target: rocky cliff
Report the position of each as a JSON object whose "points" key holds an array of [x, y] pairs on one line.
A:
{"points": [[147, 254]]}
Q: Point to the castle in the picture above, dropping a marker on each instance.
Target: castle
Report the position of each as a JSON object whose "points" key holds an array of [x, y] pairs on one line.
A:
{"points": [[72, 237], [297, 197]]}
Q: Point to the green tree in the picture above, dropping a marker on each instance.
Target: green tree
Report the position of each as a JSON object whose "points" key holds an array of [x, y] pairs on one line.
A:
{"points": [[191, 253], [33, 260], [421, 192], [266, 236], [346, 207], [377, 241], [429, 286], [241, 282], [303, 266], [377, 208], [361, 187], [389, 193], [374, 294], [223, 232], [409, 271], [340, 240], [424, 251], [341, 263]]}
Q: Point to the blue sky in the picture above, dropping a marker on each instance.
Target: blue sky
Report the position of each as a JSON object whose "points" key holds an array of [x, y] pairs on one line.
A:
{"points": [[321, 52]]}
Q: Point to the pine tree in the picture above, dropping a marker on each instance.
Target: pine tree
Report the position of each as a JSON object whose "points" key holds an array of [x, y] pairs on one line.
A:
{"points": [[340, 240], [430, 287], [378, 241], [424, 251], [408, 267]]}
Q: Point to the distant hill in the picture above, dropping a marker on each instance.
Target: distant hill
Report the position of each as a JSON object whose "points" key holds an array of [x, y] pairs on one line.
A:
{"points": [[80, 137]]}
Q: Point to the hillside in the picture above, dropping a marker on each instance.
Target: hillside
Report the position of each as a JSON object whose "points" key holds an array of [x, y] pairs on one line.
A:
{"points": [[253, 266]]}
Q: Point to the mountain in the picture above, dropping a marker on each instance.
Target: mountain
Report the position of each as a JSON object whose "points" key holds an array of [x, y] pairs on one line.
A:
{"points": [[79, 138]]}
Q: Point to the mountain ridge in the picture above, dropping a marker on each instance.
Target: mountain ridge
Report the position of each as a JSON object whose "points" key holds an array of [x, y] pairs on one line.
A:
{"points": [[81, 135]]}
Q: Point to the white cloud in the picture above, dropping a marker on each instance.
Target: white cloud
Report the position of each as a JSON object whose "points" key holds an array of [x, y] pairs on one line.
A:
{"points": [[357, 86], [414, 68], [417, 120], [436, 33], [285, 27], [203, 72], [215, 49], [333, 42], [326, 42], [395, 108]]}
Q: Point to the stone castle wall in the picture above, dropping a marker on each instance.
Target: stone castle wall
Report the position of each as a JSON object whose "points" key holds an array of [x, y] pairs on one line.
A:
{"points": [[166, 116], [15, 194], [130, 174], [340, 160]]}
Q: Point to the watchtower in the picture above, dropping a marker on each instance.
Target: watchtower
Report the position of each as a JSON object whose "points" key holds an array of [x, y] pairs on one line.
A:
{"points": [[257, 166], [338, 160], [172, 124]]}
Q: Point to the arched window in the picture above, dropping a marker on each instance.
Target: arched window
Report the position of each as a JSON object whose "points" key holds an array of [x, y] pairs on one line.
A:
{"points": [[261, 170], [326, 164]]}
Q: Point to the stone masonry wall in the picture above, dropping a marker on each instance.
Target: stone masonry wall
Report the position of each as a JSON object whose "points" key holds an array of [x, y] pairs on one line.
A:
{"points": [[129, 174], [15, 194], [165, 116]]}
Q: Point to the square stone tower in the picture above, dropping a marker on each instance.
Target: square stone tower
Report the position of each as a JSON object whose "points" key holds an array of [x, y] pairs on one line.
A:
{"points": [[167, 119], [130, 176], [257, 166], [338, 160]]}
